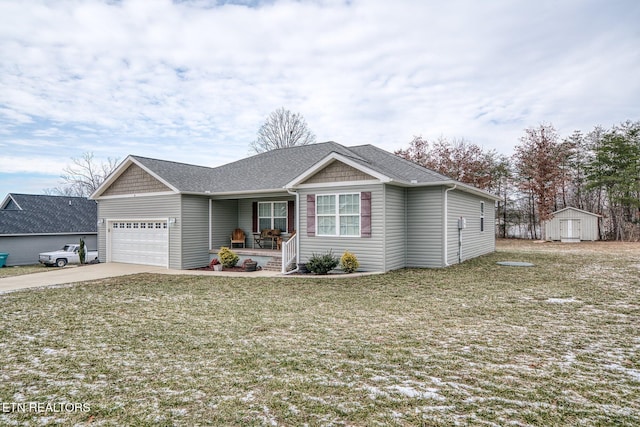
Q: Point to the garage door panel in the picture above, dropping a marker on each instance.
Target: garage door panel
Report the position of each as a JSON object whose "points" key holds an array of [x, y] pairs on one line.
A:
{"points": [[139, 242]]}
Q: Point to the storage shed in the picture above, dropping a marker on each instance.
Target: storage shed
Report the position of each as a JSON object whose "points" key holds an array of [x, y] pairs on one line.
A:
{"points": [[573, 225]]}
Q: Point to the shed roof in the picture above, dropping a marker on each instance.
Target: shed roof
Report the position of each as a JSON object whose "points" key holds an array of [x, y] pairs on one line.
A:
{"points": [[569, 208]]}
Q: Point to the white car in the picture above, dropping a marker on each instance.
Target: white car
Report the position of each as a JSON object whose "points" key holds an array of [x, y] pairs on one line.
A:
{"points": [[67, 255]]}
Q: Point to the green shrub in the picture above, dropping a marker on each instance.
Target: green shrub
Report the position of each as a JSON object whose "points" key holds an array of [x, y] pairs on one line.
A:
{"points": [[322, 264], [228, 258], [349, 262]]}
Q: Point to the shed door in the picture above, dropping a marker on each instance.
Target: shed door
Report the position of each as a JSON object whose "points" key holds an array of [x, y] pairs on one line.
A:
{"points": [[570, 229], [139, 242]]}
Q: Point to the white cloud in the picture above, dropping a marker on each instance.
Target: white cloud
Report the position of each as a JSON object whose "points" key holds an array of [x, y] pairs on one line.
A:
{"points": [[194, 80]]}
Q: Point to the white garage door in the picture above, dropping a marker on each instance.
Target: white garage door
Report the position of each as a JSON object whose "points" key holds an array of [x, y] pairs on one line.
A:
{"points": [[139, 242]]}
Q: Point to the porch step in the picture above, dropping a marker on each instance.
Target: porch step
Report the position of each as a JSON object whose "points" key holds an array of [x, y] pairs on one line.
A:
{"points": [[275, 264]]}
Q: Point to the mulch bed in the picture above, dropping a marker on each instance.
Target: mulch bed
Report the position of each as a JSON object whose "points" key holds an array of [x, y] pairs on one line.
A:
{"points": [[236, 269]]}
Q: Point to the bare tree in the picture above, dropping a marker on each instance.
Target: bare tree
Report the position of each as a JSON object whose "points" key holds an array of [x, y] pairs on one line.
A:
{"points": [[538, 163], [83, 176], [458, 159], [282, 129]]}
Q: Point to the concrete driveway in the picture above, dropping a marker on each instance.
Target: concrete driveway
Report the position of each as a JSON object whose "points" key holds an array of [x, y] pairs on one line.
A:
{"points": [[74, 274]]}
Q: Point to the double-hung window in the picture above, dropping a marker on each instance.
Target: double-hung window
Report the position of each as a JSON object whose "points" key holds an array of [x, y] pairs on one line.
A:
{"points": [[338, 214], [481, 216], [272, 215]]}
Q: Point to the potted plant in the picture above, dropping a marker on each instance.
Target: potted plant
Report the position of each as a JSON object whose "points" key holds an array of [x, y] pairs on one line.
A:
{"points": [[249, 265], [215, 265]]}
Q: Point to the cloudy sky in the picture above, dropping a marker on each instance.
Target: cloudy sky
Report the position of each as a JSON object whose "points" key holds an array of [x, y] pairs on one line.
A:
{"points": [[193, 80]]}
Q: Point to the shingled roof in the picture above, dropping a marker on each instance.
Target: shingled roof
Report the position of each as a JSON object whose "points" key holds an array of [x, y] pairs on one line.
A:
{"points": [[41, 214], [274, 169]]}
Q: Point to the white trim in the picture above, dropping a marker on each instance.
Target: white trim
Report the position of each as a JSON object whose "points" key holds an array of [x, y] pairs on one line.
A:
{"points": [[49, 234], [246, 194], [129, 196], [120, 170], [337, 215], [459, 186], [6, 201], [338, 184], [445, 228], [273, 217], [330, 159], [577, 210]]}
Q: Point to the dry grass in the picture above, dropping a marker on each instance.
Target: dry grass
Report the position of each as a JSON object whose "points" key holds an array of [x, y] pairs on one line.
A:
{"points": [[19, 270], [556, 344]]}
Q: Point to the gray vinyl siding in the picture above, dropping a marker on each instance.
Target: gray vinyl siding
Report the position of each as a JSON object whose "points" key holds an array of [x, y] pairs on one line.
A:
{"points": [[474, 241], [195, 230], [424, 227], [224, 219], [395, 229], [588, 224], [147, 207], [24, 250], [370, 251]]}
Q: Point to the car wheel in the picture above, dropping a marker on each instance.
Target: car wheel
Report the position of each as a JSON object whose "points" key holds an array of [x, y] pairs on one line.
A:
{"points": [[61, 262]]}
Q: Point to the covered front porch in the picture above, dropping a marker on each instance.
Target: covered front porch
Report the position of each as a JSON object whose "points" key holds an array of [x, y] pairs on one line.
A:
{"points": [[256, 217]]}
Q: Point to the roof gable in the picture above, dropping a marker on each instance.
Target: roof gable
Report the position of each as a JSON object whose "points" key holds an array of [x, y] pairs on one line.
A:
{"points": [[10, 204], [336, 167], [337, 171], [135, 180], [570, 208]]}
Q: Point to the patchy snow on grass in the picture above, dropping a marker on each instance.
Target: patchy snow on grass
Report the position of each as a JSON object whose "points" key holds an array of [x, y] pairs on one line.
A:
{"points": [[562, 300], [181, 412], [249, 397], [410, 392], [633, 373]]}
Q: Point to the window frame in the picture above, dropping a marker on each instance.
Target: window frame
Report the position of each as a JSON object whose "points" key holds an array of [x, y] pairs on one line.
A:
{"points": [[273, 217], [338, 216], [482, 217]]}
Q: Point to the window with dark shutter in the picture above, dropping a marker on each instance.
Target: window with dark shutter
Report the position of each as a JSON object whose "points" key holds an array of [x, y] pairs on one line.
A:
{"points": [[311, 215], [365, 214]]}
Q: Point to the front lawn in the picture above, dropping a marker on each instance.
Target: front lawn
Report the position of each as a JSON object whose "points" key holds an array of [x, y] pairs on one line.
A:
{"points": [[555, 344], [19, 270]]}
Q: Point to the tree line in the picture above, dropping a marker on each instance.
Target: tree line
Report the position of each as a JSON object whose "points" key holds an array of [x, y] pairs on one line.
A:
{"points": [[597, 171]]}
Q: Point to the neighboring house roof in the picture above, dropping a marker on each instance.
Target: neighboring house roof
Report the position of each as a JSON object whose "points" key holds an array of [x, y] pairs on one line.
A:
{"points": [[276, 169], [40, 214]]}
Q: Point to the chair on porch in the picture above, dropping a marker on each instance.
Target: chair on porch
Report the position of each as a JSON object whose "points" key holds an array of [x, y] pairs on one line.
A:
{"points": [[238, 237], [280, 240]]}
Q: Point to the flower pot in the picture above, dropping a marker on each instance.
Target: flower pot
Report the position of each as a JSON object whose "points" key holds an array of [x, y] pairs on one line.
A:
{"points": [[217, 267], [302, 267]]}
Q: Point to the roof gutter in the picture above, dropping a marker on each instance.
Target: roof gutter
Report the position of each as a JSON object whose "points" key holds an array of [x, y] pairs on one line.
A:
{"points": [[445, 226]]}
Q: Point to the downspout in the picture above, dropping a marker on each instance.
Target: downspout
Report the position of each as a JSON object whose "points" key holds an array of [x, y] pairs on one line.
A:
{"points": [[297, 221], [210, 225], [445, 221]]}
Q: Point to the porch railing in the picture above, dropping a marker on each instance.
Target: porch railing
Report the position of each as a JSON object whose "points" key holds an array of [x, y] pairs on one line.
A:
{"points": [[289, 252]]}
